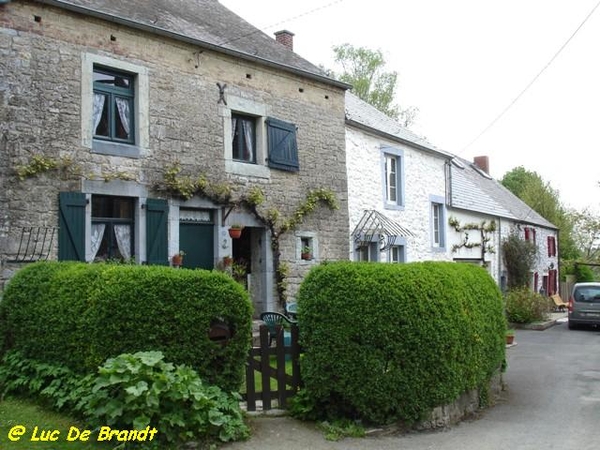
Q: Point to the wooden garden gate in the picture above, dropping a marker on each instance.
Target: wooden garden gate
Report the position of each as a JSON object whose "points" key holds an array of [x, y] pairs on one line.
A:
{"points": [[270, 361]]}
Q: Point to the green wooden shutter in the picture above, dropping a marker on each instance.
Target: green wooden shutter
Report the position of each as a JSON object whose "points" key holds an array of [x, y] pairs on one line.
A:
{"points": [[157, 212], [71, 223], [283, 148]]}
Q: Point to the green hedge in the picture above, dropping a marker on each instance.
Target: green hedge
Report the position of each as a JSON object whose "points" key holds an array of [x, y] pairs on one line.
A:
{"points": [[386, 342], [80, 314]]}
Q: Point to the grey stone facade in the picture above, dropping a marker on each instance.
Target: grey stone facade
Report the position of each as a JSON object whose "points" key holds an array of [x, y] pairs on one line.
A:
{"points": [[46, 57]]}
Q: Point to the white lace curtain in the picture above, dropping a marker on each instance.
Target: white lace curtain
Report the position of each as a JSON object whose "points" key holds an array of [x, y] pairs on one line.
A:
{"points": [[123, 108], [247, 131], [97, 235], [123, 235], [99, 100]]}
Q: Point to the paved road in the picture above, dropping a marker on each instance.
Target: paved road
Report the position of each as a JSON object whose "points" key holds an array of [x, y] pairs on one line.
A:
{"points": [[552, 402]]}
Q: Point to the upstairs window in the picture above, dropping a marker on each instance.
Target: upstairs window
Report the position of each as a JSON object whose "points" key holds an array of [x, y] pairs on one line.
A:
{"points": [[438, 231], [244, 138], [551, 246], [113, 106], [392, 177], [530, 234]]}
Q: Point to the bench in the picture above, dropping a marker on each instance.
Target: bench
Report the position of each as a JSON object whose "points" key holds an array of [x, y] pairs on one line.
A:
{"points": [[559, 305]]}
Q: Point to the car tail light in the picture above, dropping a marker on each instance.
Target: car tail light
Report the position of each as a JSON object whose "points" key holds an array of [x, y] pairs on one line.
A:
{"points": [[570, 307]]}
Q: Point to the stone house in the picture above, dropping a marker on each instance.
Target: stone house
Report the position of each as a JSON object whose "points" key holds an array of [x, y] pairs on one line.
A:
{"points": [[410, 201], [396, 189], [483, 213], [133, 130]]}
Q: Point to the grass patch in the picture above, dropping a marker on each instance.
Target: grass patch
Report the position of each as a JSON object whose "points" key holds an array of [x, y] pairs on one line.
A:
{"points": [[273, 381], [16, 411]]}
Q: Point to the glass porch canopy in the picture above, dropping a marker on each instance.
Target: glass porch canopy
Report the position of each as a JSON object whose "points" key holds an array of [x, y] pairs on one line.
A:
{"points": [[375, 226]]}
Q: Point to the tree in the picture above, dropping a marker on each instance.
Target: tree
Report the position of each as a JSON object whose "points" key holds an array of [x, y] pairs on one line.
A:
{"points": [[519, 257], [364, 70], [586, 234], [543, 199]]}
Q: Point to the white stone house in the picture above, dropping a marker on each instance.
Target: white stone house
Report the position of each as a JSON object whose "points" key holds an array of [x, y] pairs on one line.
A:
{"points": [[396, 189], [113, 93], [410, 201], [475, 201]]}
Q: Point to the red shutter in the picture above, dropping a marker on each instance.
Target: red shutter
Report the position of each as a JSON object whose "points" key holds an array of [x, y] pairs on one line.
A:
{"points": [[549, 245], [526, 233], [553, 246], [552, 282]]}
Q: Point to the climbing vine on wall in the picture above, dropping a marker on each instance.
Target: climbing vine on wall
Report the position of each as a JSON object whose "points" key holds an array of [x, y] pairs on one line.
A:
{"points": [[485, 231], [223, 193]]}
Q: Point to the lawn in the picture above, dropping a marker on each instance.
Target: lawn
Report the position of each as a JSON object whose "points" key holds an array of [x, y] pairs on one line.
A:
{"points": [[16, 412]]}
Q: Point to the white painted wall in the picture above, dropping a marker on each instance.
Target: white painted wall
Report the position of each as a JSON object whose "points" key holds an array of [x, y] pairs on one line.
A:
{"points": [[423, 178]]}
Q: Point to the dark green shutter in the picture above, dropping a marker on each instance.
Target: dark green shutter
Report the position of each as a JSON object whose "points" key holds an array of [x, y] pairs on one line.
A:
{"points": [[157, 212], [71, 223], [283, 148]]}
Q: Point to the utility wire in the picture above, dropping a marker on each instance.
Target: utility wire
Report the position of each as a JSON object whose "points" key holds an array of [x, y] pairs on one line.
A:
{"points": [[499, 116], [260, 30]]}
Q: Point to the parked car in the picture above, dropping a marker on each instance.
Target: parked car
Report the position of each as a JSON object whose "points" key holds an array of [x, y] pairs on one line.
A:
{"points": [[584, 305]]}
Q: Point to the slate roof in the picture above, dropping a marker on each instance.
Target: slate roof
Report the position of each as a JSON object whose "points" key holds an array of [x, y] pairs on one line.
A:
{"points": [[473, 190], [362, 114], [205, 23]]}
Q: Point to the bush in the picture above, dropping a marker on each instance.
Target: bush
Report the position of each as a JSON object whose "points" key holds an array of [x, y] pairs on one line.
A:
{"points": [[141, 390], [525, 306], [132, 392], [385, 342], [79, 315]]}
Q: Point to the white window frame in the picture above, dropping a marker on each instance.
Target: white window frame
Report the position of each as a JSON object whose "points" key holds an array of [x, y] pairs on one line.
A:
{"points": [[141, 107], [388, 153], [438, 243], [312, 238], [246, 107]]}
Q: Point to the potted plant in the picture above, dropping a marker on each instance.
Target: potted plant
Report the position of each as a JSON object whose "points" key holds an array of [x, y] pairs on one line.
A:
{"points": [[235, 231], [306, 253], [510, 336], [227, 261], [177, 259]]}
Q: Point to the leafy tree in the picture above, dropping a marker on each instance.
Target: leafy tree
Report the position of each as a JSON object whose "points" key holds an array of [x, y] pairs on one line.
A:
{"points": [[586, 234], [543, 199], [364, 70]]}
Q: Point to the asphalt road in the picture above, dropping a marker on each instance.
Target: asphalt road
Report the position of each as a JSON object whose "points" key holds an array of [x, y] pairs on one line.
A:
{"points": [[552, 401]]}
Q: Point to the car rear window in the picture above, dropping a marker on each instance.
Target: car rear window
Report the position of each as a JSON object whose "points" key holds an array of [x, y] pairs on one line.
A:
{"points": [[589, 294]]}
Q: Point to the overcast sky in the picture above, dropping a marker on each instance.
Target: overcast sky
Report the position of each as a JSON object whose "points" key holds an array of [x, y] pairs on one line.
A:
{"points": [[463, 62]]}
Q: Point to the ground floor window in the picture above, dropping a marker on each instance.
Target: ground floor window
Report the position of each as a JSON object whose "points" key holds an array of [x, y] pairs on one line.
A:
{"points": [[112, 228]]}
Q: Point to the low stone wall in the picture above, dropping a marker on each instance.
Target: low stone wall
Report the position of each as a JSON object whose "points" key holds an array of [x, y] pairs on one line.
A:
{"points": [[466, 405]]}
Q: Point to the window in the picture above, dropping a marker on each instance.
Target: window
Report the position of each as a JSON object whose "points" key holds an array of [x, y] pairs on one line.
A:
{"points": [[368, 252], [397, 254], [530, 234], [113, 106], [243, 144], [112, 228], [307, 246], [391, 179], [115, 98], [551, 246], [438, 231], [392, 172]]}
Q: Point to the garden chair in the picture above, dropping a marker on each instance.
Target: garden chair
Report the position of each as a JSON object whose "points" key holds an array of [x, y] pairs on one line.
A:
{"points": [[559, 305], [291, 310], [274, 319]]}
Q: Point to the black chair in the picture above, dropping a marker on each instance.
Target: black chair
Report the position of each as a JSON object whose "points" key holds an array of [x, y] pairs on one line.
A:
{"points": [[274, 319]]}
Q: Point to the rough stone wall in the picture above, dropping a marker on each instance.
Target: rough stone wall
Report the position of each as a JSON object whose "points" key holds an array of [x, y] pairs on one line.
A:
{"points": [[41, 113], [423, 177]]}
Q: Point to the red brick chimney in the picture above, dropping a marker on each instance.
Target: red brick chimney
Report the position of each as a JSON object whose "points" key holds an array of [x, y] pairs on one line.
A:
{"points": [[285, 38], [483, 162]]}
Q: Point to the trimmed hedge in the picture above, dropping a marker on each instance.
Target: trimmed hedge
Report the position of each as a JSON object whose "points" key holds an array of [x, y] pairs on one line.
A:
{"points": [[79, 315], [387, 342]]}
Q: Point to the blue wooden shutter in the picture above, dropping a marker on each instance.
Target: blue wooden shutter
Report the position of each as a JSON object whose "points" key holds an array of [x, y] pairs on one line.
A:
{"points": [[283, 148], [71, 223], [157, 212]]}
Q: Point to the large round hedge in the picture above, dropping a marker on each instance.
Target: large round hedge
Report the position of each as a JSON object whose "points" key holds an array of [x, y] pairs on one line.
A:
{"points": [[78, 315], [386, 342]]}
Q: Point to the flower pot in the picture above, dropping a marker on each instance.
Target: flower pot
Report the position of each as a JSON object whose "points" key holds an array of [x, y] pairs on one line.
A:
{"points": [[235, 233], [177, 260], [306, 256], [510, 339]]}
